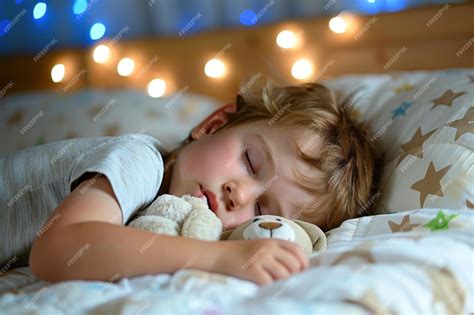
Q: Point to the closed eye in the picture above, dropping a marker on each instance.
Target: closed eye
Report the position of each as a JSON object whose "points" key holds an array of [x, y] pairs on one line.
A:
{"points": [[259, 211], [248, 160]]}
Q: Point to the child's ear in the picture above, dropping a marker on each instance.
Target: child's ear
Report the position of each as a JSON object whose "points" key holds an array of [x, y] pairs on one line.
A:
{"points": [[214, 121]]}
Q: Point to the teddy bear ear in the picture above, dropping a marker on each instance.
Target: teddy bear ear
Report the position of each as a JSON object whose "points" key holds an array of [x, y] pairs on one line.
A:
{"points": [[225, 234], [317, 236]]}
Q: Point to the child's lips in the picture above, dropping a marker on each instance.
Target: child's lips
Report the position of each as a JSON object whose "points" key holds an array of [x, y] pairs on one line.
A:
{"points": [[211, 199]]}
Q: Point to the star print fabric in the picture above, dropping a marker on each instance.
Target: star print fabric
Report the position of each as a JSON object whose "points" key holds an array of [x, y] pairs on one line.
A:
{"points": [[423, 124]]}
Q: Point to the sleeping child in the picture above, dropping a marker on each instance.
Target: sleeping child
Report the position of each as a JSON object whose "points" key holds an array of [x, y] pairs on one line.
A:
{"points": [[288, 151]]}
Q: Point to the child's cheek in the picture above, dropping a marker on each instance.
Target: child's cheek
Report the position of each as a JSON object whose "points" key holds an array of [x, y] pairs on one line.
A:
{"points": [[215, 161], [234, 218]]}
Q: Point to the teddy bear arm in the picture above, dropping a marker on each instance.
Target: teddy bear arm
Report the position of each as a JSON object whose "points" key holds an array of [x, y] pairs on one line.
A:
{"points": [[203, 225]]}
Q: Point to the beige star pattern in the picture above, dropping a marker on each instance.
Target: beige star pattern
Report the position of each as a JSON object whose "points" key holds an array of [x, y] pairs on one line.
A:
{"points": [[447, 98], [430, 184], [404, 226], [370, 301], [464, 125], [447, 290], [364, 252], [469, 204], [416, 142]]}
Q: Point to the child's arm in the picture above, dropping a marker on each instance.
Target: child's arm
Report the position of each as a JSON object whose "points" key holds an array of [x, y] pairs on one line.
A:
{"points": [[84, 240]]}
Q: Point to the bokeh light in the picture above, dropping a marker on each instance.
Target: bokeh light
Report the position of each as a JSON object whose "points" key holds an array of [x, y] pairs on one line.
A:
{"points": [[97, 31], [79, 6], [337, 24], [57, 72], [125, 66], [214, 68], [247, 17], [39, 10], [286, 39], [3, 27], [101, 53], [156, 88], [302, 69]]}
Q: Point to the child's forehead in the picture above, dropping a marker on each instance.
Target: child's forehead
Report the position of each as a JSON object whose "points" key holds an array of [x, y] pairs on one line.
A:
{"points": [[296, 136]]}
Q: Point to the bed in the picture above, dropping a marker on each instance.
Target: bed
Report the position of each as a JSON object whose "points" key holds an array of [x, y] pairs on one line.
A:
{"points": [[415, 257]]}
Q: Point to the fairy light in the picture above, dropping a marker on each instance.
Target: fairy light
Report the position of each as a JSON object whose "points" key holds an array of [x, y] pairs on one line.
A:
{"points": [[337, 24], [214, 68], [57, 73], [101, 53], [156, 88], [302, 69], [125, 66], [344, 22], [286, 39], [39, 10]]}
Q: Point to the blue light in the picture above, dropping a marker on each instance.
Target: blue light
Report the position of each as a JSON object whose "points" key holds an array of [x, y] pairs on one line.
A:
{"points": [[247, 17], [79, 6], [39, 10], [370, 6], [97, 31], [3, 27], [395, 5], [19, 1]]}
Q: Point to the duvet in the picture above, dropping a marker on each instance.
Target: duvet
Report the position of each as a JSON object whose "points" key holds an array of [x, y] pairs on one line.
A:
{"points": [[412, 262]]}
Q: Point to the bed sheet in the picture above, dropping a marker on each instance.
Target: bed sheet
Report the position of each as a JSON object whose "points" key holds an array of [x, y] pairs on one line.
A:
{"points": [[411, 262]]}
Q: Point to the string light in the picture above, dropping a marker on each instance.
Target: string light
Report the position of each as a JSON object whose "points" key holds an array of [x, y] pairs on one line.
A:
{"points": [[79, 6], [39, 10], [57, 73], [125, 66], [343, 22], [286, 39], [214, 68], [156, 88], [101, 53], [337, 24], [97, 31], [302, 69]]}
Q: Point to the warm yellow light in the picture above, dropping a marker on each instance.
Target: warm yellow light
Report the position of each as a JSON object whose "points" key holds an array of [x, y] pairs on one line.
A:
{"points": [[338, 24], [101, 53], [286, 39], [156, 88], [214, 68], [57, 73], [125, 66], [302, 69]]}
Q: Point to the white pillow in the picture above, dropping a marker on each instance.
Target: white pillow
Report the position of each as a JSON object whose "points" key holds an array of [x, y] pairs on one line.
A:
{"points": [[422, 122], [34, 118]]}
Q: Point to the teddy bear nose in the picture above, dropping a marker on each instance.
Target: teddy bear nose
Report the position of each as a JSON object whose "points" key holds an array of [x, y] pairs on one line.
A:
{"points": [[270, 225]]}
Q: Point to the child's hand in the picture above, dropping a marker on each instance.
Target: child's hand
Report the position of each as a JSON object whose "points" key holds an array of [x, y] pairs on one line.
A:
{"points": [[261, 261]]}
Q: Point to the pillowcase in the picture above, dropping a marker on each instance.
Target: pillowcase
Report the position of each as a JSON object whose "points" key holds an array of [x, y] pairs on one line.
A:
{"points": [[423, 124], [34, 118]]}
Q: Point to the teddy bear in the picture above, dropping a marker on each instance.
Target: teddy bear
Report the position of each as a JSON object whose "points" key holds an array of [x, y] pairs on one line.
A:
{"points": [[308, 235], [180, 216], [191, 217]]}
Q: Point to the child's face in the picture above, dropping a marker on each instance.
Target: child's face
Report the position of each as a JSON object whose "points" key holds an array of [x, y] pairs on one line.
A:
{"points": [[218, 163]]}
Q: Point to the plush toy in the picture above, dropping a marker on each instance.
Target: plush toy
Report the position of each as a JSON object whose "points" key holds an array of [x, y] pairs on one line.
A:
{"points": [[180, 216], [308, 235], [190, 216]]}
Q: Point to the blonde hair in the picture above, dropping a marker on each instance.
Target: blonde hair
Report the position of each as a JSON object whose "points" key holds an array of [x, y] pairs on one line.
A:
{"points": [[347, 159]]}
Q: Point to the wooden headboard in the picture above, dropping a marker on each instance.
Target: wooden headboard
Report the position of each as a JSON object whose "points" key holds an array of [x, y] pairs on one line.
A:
{"points": [[430, 37]]}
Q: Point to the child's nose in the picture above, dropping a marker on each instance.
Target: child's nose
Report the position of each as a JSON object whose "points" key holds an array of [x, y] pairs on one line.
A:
{"points": [[241, 194]]}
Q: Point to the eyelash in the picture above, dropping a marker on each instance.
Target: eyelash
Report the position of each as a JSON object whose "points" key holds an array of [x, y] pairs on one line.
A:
{"points": [[251, 167]]}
